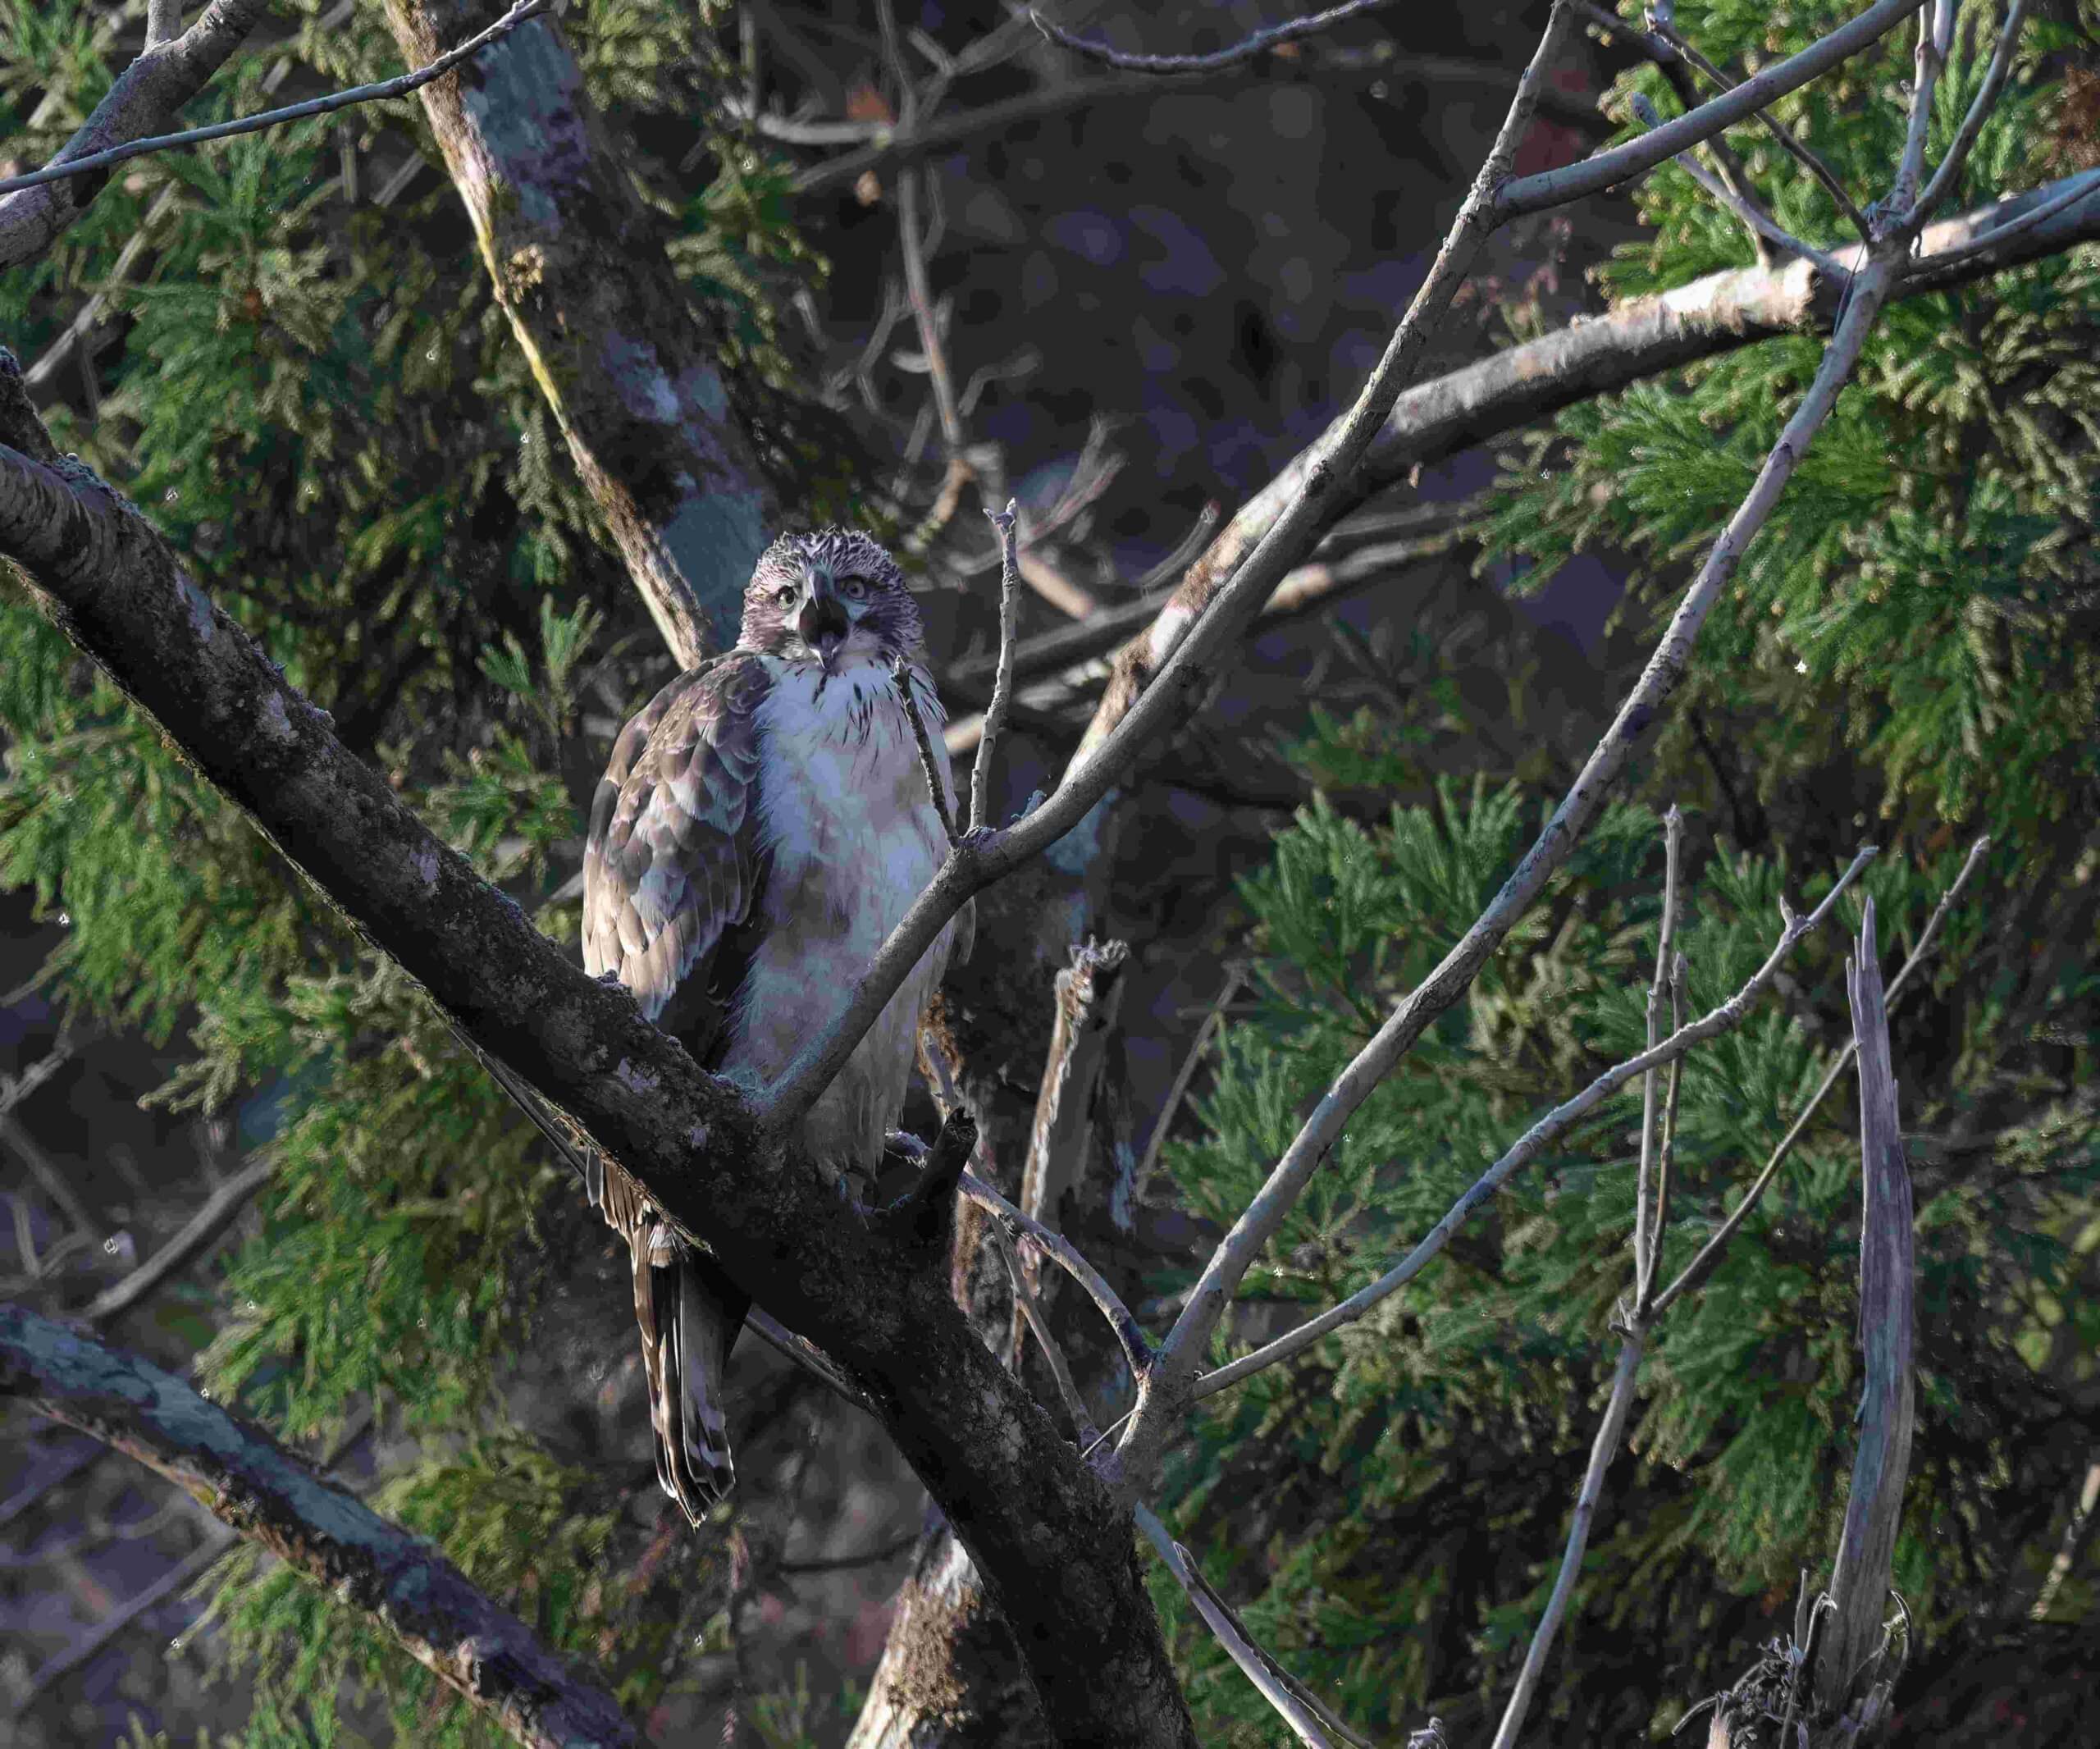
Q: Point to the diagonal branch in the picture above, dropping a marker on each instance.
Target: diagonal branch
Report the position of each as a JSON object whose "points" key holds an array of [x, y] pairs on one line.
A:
{"points": [[1042, 1529], [401, 85], [147, 95], [1554, 1124], [1257, 42], [483, 1652], [1453, 975], [1873, 1508]]}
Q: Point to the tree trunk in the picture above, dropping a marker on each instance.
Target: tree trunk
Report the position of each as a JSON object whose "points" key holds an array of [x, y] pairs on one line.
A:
{"points": [[579, 268]]}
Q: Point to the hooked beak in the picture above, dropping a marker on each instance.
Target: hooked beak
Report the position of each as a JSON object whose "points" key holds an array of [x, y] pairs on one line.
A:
{"points": [[821, 620]]}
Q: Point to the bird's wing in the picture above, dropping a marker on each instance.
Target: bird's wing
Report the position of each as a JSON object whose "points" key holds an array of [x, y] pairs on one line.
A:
{"points": [[671, 880], [671, 867]]}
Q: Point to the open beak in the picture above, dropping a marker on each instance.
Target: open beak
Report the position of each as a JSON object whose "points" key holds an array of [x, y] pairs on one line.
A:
{"points": [[821, 620]]}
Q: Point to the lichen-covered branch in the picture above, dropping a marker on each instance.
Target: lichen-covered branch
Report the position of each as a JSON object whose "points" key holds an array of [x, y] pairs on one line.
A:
{"points": [[579, 268], [245, 1477]]}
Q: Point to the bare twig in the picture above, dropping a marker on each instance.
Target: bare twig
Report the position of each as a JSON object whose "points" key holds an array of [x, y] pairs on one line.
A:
{"points": [[1137, 1350], [1949, 173], [399, 86], [49, 1177], [1667, 41], [1555, 1123], [1760, 223], [889, 145], [1251, 1234], [934, 787], [163, 21], [191, 1567], [1087, 997], [1002, 684], [2076, 191], [219, 1211], [1031, 1308], [927, 317], [1644, 1242], [1602, 1450], [1259, 42], [1873, 1508], [1607, 169], [1287, 1696], [265, 1493], [1695, 1273], [1235, 976], [2076, 1532]]}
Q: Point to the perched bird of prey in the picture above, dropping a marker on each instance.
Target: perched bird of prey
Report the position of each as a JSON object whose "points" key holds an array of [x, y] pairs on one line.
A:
{"points": [[763, 823]]}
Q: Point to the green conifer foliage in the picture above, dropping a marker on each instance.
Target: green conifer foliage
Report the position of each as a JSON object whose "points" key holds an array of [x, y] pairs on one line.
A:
{"points": [[1907, 658], [327, 412]]}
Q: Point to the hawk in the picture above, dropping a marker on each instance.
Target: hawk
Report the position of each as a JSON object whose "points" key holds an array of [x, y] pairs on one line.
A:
{"points": [[763, 824]]}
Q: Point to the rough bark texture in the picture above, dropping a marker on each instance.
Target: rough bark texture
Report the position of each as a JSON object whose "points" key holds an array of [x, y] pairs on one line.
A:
{"points": [[1054, 1545], [579, 268], [950, 1674], [147, 98], [273, 1498]]}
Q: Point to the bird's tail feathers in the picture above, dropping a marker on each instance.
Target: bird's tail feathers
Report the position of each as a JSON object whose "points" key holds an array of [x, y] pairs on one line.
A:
{"points": [[694, 1314]]}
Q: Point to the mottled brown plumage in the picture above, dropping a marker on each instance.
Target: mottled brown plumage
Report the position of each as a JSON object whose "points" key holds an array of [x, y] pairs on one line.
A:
{"points": [[761, 826]]}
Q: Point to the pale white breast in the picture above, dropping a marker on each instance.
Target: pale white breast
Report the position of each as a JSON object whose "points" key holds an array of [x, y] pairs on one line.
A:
{"points": [[851, 838]]}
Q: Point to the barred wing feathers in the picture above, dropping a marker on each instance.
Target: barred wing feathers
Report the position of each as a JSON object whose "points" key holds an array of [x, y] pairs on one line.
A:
{"points": [[671, 880]]}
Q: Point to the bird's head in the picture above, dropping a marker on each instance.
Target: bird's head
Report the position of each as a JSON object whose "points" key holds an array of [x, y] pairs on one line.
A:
{"points": [[835, 597]]}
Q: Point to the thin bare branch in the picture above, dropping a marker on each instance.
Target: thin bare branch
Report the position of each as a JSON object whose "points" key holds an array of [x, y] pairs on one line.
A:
{"points": [[1873, 1509], [982, 859], [2078, 191], [1251, 1234], [1667, 41], [1137, 1350], [1949, 173], [1002, 684], [268, 1495], [1610, 1430], [1554, 1124], [1031, 1308], [2083, 1509], [218, 1211], [399, 86], [1645, 1240], [935, 789], [1695, 1273], [1607, 169], [163, 21], [889, 145], [1258, 1668], [1234, 977], [1760, 223], [1087, 999], [1259, 42], [912, 238]]}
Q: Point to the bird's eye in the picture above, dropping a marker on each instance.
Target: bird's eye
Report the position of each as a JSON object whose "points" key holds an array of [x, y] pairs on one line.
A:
{"points": [[854, 589], [785, 597]]}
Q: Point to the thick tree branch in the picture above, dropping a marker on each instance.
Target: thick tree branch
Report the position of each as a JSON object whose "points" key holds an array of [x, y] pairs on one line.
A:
{"points": [[1052, 1543], [245, 1477], [620, 355], [147, 96]]}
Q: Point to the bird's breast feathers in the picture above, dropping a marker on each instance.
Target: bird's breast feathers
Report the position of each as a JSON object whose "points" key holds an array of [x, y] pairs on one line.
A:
{"points": [[849, 840]]}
